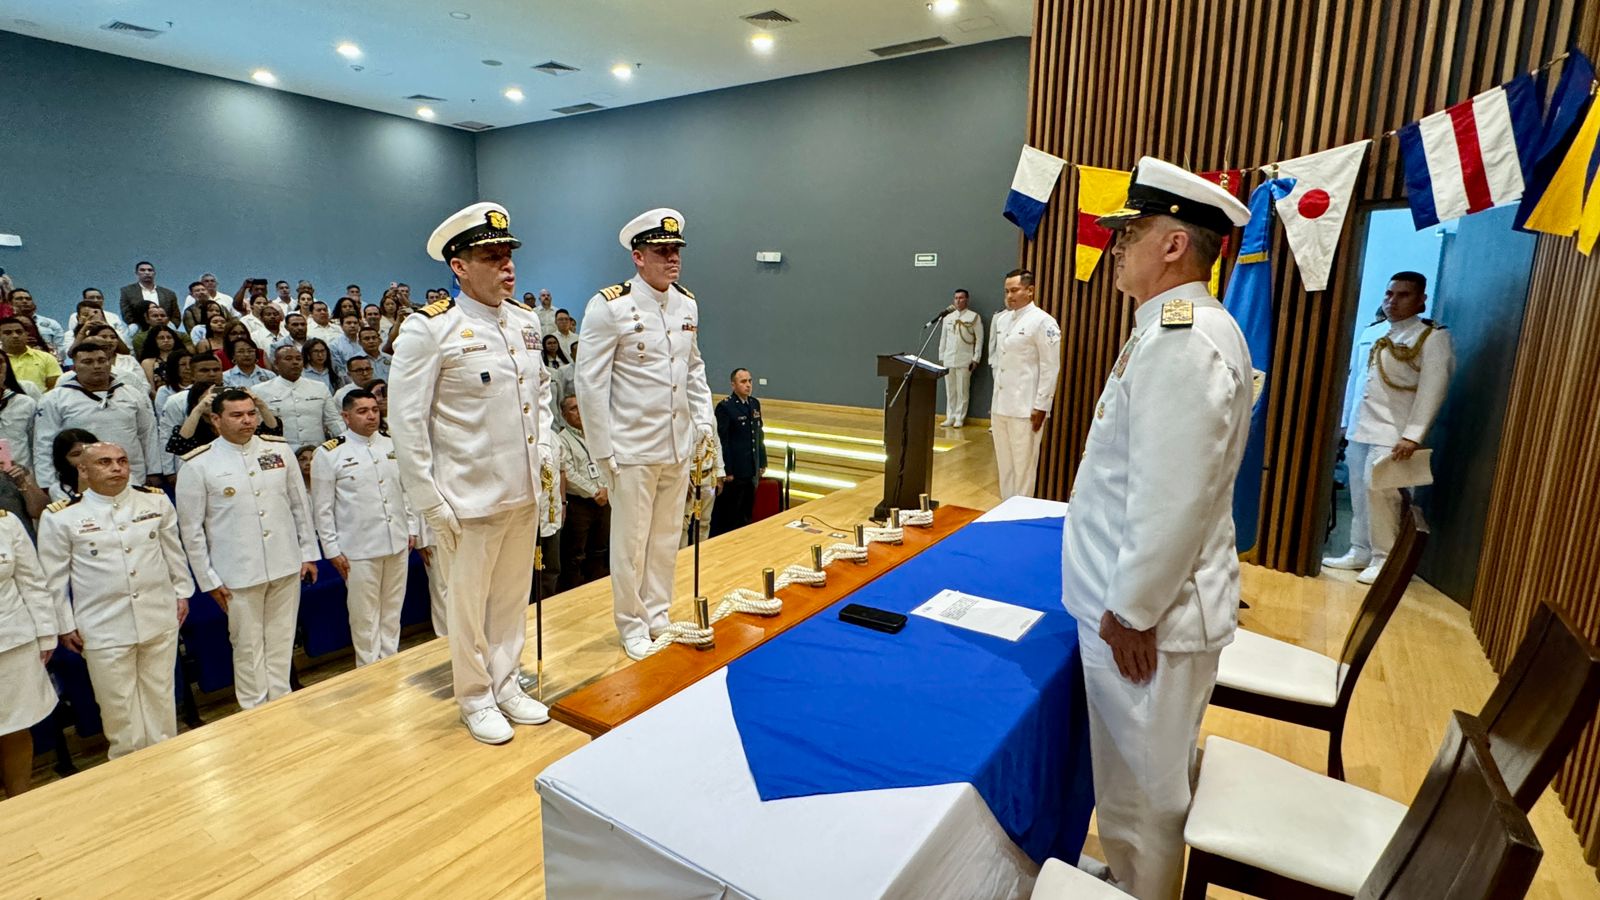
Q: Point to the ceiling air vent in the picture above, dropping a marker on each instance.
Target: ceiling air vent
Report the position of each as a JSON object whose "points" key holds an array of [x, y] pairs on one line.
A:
{"points": [[768, 20], [577, 108], [555, 68], [425, 98], [911, 46], [129, 28], [473, 126]]}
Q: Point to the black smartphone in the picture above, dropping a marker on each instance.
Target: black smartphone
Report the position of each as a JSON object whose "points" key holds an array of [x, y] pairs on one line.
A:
{"points": [[870, 617]]}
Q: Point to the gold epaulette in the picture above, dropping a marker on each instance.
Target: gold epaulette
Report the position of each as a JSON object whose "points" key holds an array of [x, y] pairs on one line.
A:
{"points": [[333, 443], [437, 307], [148, 489], [616, 290], [1177, 314], [683, 290], [58, 506], [195, 452], [272, 437], [518, 303]]}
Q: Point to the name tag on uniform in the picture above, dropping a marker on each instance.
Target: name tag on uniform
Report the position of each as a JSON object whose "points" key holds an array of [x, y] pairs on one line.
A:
{"points": [[475, 348], [145, 517], [88, 526], [530, 337], [269, 461]]}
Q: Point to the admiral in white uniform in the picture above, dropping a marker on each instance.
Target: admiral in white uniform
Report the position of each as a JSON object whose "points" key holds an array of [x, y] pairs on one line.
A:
{"points": [[1149, 568], [469, 413], [960, 351], [246, 525], [115, 551], [364, 526], [1398, 387], [646, 409], [1026, 363]]}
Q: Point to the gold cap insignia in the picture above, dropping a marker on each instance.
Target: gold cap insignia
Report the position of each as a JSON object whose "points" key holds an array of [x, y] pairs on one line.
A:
{"points": [[669, 225], [497, 220]]}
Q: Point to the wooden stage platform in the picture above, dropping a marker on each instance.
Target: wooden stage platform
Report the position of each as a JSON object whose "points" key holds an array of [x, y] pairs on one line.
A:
{"points": [[367, 785]]}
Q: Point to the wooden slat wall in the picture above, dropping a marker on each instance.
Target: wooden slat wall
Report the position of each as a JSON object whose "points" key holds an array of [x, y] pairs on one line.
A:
{"points": [[1215, 83]]}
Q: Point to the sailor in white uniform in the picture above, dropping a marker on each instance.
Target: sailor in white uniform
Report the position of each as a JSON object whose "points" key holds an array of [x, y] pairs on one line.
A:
{"points": [[1149, 569], [647, 413], [960, 351], [1026, 363]]}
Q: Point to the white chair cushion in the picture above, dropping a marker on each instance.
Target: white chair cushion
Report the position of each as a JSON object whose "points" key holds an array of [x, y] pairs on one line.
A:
{"points": [[1255, 808], [1063, 881], [1273, 668]]}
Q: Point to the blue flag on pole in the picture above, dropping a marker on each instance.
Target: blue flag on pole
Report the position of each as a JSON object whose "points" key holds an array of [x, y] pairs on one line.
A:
{"points": [[1249, 301]]}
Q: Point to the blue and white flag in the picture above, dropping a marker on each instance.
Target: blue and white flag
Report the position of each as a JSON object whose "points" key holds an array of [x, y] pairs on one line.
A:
{"points": [[1031, 187]]}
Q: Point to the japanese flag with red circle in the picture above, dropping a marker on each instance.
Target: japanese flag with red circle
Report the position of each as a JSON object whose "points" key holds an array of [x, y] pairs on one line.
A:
{"points": [[1314, 212]]}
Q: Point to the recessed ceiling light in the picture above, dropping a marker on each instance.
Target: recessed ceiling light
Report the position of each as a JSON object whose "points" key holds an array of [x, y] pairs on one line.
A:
{"points": [[262, 76], [463, 16], [514, 94], [944, 7], [425, 112], [349, 50], [623, 71], [761, 43]]}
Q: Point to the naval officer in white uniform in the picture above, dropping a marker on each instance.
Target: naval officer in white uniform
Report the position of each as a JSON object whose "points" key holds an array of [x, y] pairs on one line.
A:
{"points": [[115, 552], [246, 525], [469, 414], [646, 414], [1149, 569], [1026, 362], [960, 351], [1398, 388]]}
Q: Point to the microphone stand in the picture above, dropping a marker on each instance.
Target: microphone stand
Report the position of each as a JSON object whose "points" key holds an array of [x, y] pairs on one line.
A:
{"points": [[905, 418]]}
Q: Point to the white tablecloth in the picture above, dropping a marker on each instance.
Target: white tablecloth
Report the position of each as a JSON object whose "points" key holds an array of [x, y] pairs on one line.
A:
{"points": [[664, 807]]}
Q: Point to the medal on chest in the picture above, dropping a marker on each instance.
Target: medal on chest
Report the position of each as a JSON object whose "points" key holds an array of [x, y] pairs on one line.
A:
{"points": [[1122, 358], [530, 337], [269, 461]]}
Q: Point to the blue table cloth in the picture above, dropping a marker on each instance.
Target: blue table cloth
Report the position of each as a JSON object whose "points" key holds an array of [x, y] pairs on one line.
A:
{"points": [[828, 707]]}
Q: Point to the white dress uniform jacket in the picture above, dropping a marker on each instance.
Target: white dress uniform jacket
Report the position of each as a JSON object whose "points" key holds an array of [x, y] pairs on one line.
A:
{"points": [[1026, 363], [243, 514], [356, 498], [640, 365], [121, 414], [17, 413], [122, 561], [28, 615], [452, 360], [305, 408], [1401, 399], [961, 340], [1149, 532]]}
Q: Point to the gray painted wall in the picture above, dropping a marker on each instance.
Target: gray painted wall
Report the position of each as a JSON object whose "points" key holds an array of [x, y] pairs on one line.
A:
{"points": [[105, 161], [847, 173]]}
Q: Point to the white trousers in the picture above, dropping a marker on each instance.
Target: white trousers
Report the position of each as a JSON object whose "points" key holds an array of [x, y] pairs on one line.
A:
{"points": [[1016, 454], [1142, 745], [646, 520], [133, 685], [1374, 515], [957, 385], [438, 602], [488, 576], [375, 591], [261, 620]]}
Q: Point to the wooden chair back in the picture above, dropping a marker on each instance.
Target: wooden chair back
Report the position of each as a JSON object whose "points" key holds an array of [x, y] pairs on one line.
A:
{"points": [[1382, 599]]}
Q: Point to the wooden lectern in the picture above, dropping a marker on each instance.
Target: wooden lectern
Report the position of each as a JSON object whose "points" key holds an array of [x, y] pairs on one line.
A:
{"points": [[907, 429]]}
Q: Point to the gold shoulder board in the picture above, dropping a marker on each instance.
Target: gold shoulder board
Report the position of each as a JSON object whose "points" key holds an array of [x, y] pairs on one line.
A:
{"points": [[333, 443], [437, 307], [683, 290], [148, 489], [195, 452], [519, 304], [616, 290], [1177, 314], [57, 506], [272, 437]]}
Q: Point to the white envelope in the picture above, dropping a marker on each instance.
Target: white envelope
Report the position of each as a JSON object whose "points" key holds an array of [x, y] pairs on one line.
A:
{"points": [[1390, 473]]}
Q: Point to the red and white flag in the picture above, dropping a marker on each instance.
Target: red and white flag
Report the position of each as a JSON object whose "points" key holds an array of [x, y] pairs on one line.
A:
{"points": [[1313, 213]]}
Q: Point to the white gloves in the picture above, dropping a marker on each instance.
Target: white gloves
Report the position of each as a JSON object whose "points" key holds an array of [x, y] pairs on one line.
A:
{"points": [[442, 519]]}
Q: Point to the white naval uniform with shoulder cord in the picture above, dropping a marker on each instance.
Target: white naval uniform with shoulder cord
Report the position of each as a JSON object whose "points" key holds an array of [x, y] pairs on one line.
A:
{"points": [[960, 345], [1149, 537], [28, 627], [642, 391], [246, 524], [120, 560], [361, 515], [1026, 364], [468, 412]]}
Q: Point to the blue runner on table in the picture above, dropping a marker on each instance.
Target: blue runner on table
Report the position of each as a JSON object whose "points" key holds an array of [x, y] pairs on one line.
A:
{"points": [[828, 707]]}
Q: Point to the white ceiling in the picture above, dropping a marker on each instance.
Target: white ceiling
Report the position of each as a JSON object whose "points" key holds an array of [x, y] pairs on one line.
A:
{"points": [[416, 47]]}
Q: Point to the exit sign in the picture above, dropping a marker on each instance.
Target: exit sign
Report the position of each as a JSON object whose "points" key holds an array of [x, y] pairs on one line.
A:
{"points": [[925, 259]]}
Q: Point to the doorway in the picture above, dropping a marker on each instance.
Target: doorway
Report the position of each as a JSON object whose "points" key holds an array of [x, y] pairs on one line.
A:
{"points": [[1478, 269]]}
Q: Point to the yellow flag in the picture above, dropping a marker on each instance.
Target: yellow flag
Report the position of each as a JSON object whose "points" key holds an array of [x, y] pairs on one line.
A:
{"points": [[1100, 191], [1561, 209]]}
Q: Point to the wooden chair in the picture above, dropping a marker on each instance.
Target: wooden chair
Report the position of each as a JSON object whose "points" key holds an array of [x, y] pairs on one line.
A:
{"points": [[1267, 677], [1463, 837], [1265, 826]]}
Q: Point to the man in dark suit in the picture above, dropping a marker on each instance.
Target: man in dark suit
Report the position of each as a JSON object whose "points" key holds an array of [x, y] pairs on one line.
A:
{"points": [[137, 297], [744, 455]]}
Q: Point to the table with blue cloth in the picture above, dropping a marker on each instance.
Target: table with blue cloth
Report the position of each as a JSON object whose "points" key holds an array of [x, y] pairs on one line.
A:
{"points": [[835, 761]]}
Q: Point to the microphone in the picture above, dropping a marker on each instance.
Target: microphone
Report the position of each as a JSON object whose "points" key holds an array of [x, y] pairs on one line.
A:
{"points": [[947, 311]]}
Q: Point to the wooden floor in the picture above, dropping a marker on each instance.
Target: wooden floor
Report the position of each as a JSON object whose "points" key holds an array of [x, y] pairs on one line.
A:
{"points": [[367, 785]]}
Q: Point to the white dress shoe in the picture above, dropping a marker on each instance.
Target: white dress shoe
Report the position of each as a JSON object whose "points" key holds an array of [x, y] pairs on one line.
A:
{"points": [[1352, 560], [488, 725], [1370, 573], [525, 710], [636, 648]]}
